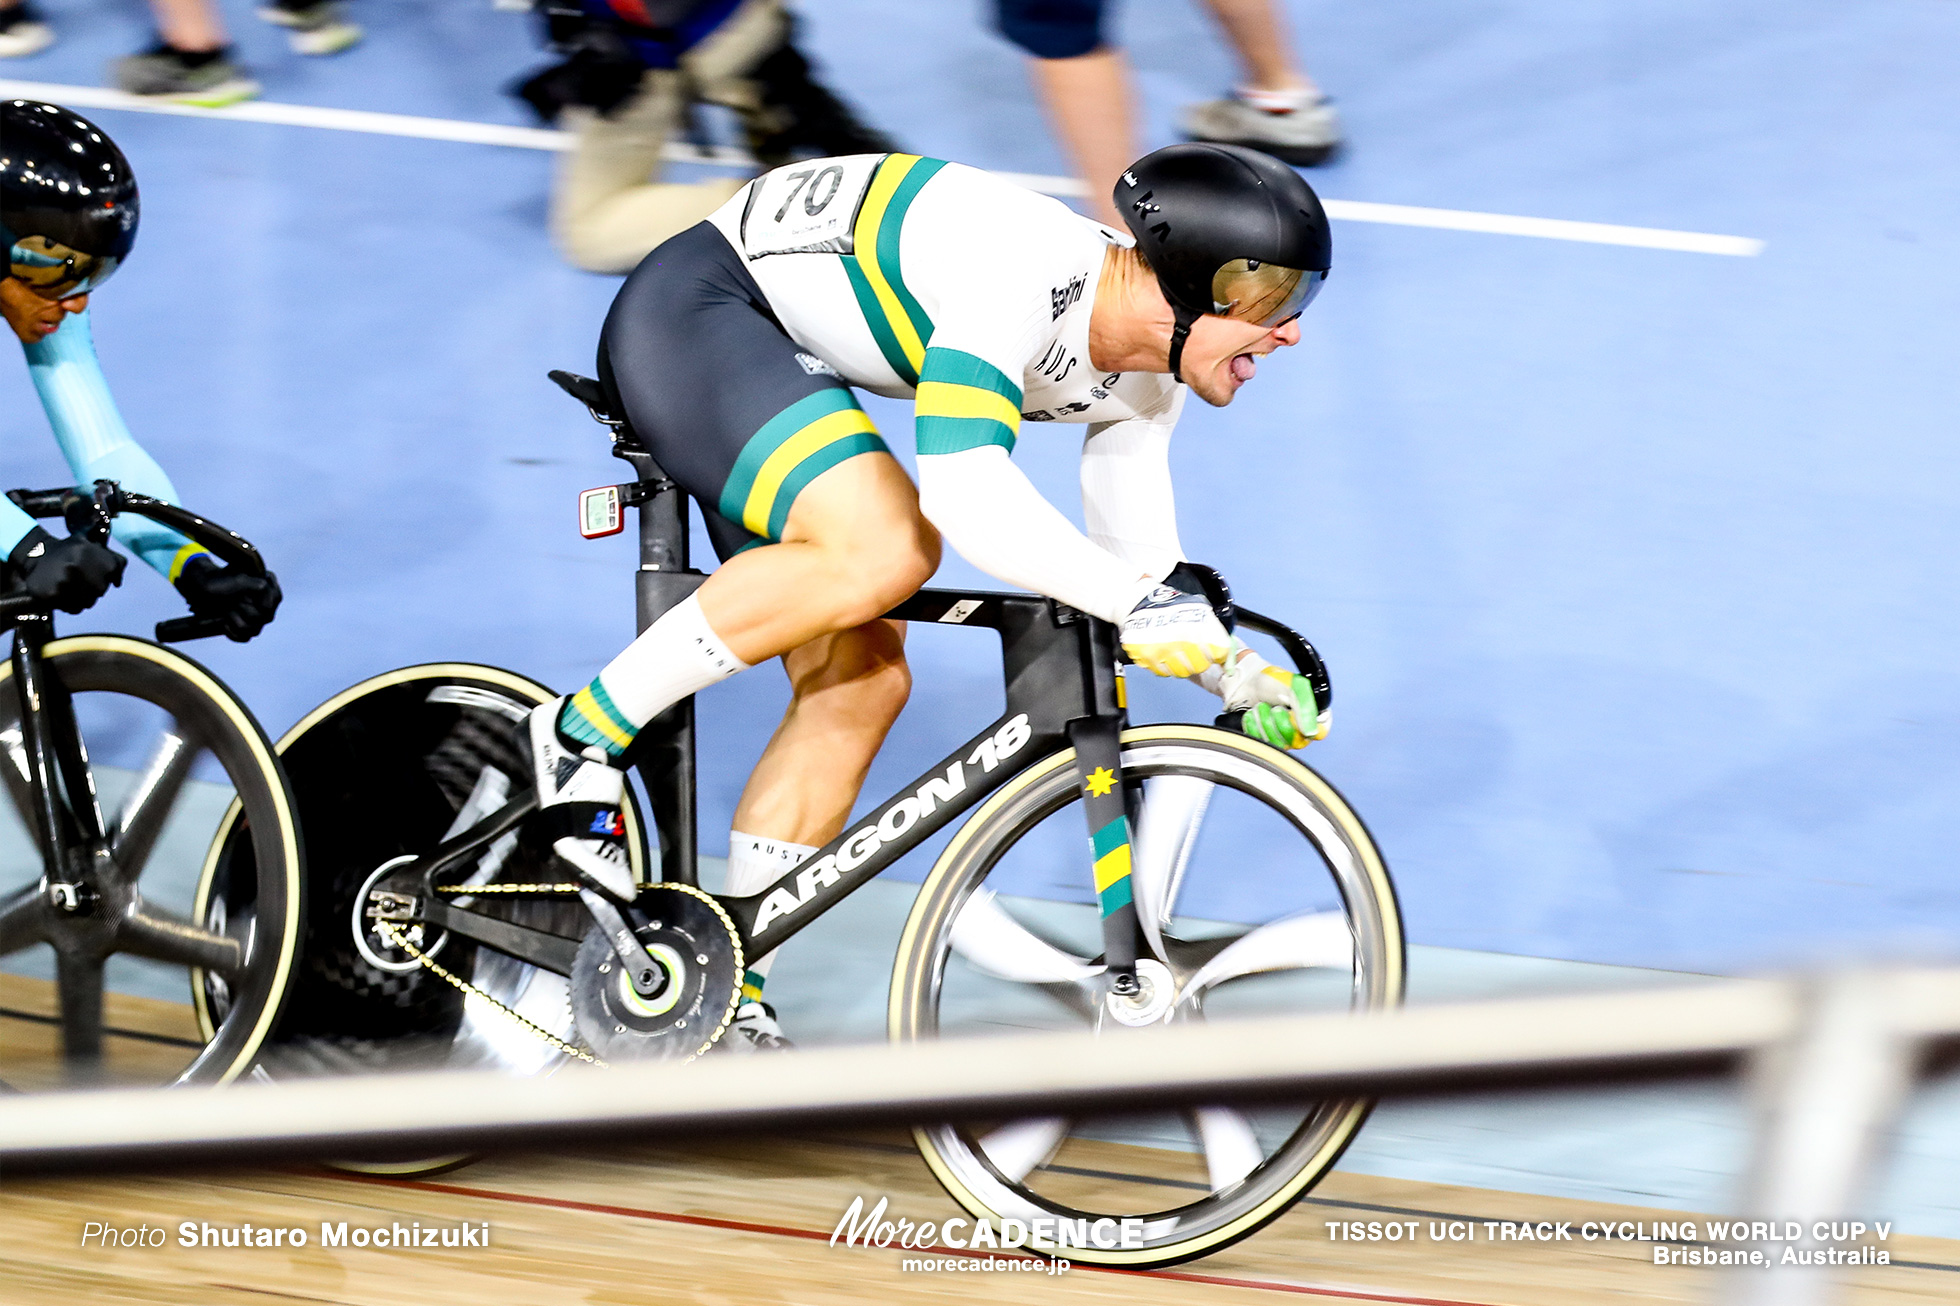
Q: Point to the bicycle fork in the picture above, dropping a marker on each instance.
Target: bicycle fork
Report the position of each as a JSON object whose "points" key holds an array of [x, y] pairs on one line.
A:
{"points": [[1099, 770], [1098, 741]]}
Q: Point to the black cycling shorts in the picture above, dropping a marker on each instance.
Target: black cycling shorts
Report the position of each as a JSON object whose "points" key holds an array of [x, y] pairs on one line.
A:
{"points": [[730, 407]]}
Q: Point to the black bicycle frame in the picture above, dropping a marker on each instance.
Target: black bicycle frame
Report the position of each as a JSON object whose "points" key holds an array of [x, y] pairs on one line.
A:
{"points": [[57, 790], [1063, 690], [1060, 668]]}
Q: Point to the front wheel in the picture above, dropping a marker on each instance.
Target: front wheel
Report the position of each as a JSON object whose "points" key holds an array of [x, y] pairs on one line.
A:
{"points": [[176, 970], [1258, 891]]}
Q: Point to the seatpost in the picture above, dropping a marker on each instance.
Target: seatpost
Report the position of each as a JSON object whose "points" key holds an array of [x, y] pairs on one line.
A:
{"points": [[664, 749]]}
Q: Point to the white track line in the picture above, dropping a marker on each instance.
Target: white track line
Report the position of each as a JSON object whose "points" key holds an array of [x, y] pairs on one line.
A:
{"points": [[538, 138]]}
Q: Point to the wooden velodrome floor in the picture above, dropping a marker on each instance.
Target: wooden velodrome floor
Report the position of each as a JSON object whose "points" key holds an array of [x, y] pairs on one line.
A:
{"points": [[750, 1222]]}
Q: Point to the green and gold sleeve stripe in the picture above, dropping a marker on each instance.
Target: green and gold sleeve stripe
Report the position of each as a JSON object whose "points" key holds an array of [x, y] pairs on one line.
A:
{"points": [[897, 322], [1112, 850], [792, 449], [965, 402], [182, 557]]}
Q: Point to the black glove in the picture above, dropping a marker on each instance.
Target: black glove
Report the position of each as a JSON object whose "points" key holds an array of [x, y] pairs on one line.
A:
{"points": [[601, 73], [799, 116], [244, 602], [70, 573]]}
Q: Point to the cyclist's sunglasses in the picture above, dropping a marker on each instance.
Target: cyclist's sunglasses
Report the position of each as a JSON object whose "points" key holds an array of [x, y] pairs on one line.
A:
{"points": [[55, 271], [1264, 294]]}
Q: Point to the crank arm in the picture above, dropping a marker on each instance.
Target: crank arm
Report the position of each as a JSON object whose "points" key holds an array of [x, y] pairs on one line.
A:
{"points": [[479, 836], [639, 969], [540, 948]]}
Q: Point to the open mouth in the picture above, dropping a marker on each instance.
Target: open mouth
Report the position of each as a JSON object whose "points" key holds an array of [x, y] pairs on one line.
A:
{"points": [[1243, 367]]}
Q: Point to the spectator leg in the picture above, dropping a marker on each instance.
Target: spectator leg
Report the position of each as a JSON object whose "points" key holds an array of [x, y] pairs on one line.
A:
{"points": [[192, 26], [1089, 101], [1258, 34]]}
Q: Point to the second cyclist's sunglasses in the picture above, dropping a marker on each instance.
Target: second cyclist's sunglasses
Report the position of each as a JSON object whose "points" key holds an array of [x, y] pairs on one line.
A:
{"points": [[55, 271]]}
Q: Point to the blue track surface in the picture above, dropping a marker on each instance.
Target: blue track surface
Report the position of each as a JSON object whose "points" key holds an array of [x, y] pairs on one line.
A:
{"points": [[1634, 568]]}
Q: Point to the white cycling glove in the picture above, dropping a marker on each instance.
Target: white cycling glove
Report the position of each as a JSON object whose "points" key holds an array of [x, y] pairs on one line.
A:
{"points": [[1174, 633]]}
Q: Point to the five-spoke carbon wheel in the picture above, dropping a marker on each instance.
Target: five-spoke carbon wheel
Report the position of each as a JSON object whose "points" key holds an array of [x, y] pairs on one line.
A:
{"points": [[171, 962], [1259, 892]]}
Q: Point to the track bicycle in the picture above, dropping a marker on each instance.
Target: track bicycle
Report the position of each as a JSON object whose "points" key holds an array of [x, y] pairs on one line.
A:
{"points": [[142, 897], [1110, 877]]}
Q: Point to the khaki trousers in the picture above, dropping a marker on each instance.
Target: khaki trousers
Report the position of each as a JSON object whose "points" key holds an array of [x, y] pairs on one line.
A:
{"points": [[608, 207]]}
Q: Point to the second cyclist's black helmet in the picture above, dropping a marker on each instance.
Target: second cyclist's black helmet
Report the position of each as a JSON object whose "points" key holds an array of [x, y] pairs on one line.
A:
{"points": [[68, 206], [1227, 230]]}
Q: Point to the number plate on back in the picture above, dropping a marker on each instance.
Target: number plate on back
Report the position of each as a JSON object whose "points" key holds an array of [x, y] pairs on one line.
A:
{"points": [[807, 208]]}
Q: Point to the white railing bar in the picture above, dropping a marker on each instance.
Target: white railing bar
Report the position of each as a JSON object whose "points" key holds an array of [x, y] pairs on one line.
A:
{"points": [[1654, 1033]]}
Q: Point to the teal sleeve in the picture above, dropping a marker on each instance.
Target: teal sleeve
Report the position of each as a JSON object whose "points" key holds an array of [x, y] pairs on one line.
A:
{"points": [[97, 444]]}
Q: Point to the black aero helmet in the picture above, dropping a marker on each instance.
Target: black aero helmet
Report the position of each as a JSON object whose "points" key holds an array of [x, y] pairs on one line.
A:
{"points": [[68, 204], [1227, 230]]}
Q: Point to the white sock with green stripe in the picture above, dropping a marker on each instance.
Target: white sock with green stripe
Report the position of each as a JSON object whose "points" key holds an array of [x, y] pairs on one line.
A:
{"points": [[754, 863], [678, 655]]}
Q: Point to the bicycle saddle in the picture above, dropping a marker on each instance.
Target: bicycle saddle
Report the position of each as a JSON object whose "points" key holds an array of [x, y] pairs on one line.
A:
{"points": [[590, 393]]}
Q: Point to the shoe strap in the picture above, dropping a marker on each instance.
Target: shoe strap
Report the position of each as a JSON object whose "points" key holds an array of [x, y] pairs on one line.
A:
{"points": [[602, 821]]}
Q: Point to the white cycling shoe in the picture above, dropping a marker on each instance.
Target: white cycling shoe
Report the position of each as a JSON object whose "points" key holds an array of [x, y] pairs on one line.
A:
{"points": [[580, 794], [754, 1029]]}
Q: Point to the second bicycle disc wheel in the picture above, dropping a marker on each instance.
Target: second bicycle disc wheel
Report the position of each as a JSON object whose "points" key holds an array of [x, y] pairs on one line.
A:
{"points": [[1259, 893]]}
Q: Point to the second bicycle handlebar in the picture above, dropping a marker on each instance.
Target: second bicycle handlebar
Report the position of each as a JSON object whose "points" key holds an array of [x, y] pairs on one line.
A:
{"points": [[91, 514]]}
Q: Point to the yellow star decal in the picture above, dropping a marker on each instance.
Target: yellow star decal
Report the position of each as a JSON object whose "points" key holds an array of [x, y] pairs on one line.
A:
{"points": [[1101, 781]]}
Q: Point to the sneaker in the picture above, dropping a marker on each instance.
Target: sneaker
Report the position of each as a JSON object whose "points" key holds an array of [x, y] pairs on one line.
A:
{"points": [[23, 33], [579, 797], [208, 79], [754, 1029], [317, 27], [1302, 136]]}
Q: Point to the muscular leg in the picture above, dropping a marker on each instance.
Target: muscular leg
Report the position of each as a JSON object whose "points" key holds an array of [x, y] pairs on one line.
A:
{"points": [[846, 690], [853, 547]]}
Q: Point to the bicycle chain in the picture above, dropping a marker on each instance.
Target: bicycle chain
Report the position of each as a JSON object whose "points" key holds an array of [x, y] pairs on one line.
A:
{"points": [[469, 889], [396, 939]]}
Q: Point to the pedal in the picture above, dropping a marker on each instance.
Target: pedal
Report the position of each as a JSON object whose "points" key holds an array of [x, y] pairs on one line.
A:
{"points": [[74, 899]]}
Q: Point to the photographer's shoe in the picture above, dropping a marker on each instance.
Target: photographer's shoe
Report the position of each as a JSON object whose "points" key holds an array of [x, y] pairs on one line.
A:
{"points": [[755, 1030], [579, 796]]}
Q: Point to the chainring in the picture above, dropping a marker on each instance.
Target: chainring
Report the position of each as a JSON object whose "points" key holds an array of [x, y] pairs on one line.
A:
{"points": [[697, 951]]}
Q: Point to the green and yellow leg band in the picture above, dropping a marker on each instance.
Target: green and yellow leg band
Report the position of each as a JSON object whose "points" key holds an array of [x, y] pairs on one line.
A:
{"points": [[792, 449]]}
